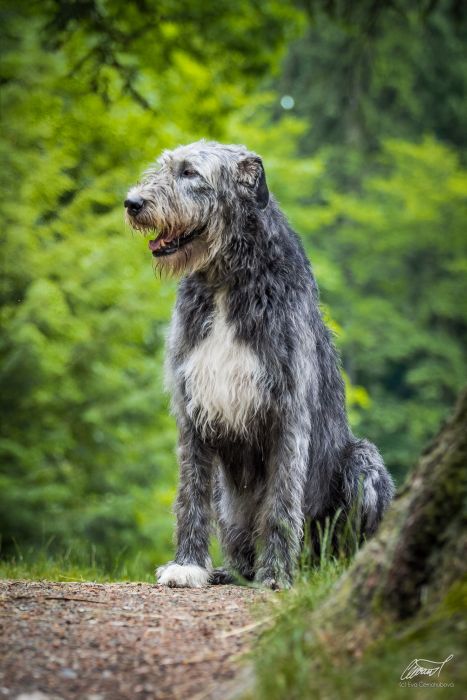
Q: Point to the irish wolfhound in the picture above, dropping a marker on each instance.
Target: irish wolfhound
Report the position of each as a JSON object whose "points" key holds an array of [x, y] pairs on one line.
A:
{"points": [[264, 441]]}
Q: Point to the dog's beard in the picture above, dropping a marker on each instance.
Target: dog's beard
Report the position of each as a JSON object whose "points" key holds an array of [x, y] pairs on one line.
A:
{"points": [[192, 257]]}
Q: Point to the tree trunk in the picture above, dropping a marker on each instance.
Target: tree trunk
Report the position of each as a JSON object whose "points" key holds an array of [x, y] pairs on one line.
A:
{"points": [[420, 549]]}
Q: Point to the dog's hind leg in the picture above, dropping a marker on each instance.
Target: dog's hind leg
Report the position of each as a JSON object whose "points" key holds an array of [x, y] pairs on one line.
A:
{"points": [[239, 552], [221, 577]]}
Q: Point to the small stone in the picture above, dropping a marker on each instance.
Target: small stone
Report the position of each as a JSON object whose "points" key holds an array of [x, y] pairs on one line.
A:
{"points": [[68, 673]]}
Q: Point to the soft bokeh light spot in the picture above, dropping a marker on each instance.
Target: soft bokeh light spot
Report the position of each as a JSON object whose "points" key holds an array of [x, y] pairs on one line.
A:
{"points": [[287, 102]]}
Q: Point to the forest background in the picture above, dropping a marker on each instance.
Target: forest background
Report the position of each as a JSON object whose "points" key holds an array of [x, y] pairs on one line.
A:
{"points": [[358, 110]]}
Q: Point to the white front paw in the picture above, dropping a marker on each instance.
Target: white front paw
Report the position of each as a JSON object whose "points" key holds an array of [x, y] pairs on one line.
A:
{"points": [[182, 576]]}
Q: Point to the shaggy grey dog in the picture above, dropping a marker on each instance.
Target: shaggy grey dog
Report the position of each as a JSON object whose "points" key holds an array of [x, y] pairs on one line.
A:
{"points": [[264, 442]]}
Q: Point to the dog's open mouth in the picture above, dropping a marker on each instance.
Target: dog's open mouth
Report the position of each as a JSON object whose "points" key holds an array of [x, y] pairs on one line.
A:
{"points": [[165, 244]]}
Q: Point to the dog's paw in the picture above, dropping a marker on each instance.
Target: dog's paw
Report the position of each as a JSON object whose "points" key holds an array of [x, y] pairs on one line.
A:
{"points": [[274, 584], [221, 577], [182, 576], [267, 579]]}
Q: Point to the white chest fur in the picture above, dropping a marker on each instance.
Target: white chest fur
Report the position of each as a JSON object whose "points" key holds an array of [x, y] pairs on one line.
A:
{"points": [[224, 379]]}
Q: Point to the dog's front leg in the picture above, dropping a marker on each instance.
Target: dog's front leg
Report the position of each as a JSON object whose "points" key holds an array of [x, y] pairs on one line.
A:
{"points": [[280, 523], [192, 565]]}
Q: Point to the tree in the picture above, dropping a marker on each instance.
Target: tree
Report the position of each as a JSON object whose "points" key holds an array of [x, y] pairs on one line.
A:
{"points": [[366, 71]]}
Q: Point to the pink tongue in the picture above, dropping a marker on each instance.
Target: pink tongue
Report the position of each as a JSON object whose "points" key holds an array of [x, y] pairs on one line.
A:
{"points": [[155, 244]]}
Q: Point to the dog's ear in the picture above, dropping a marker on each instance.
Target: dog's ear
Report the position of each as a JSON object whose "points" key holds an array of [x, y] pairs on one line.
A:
{"points": [[251, 174]]}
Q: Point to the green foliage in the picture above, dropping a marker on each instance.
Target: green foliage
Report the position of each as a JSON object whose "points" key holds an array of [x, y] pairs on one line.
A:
{"points": [[398, 288], [87, 444], [364, 71], [92, 92]]}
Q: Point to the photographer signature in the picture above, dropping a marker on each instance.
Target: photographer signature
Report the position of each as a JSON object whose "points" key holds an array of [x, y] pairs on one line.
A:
{"points": [[424, 667]]}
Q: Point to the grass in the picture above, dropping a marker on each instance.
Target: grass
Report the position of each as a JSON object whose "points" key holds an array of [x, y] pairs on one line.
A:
{"points": [[293, 658], [73, 565], [84, 563], [281, 657], [293, 663]]}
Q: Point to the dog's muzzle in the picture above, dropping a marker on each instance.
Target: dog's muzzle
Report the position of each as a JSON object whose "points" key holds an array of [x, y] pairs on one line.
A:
{"points": [[167, 243]]}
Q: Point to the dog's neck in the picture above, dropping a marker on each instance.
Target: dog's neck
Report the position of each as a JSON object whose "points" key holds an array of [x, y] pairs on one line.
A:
{"points": [[243, 255]]}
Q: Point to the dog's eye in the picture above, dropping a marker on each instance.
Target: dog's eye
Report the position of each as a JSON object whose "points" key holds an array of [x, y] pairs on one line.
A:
{"points": [[189, 172]]}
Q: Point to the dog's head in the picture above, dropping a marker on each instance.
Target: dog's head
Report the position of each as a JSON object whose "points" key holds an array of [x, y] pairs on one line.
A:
{"points": [[195, 200]]}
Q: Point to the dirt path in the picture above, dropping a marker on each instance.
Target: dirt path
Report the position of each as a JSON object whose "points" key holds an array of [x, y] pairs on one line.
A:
{"points": [[125, 641]]}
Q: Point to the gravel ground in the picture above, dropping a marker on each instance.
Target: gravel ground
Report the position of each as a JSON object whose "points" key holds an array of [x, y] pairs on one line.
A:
{"points": [[90, 641]]}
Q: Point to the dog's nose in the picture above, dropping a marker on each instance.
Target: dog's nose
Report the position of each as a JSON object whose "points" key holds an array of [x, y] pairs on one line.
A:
{"points": [[134, 204]]}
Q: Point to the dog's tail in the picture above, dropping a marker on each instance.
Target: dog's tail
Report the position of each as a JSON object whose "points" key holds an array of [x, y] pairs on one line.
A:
{"points": [[368, 483]]}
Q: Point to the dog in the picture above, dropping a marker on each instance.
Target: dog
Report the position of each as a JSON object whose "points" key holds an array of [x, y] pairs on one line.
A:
{"points": [[264, 441]]}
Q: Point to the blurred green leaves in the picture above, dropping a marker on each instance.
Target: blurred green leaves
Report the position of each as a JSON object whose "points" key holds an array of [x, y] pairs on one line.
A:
{"points": [[92, 91]]}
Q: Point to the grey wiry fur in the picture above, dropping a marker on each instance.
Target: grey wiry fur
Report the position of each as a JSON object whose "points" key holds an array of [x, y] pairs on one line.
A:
{"points": [[259, 400]]}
